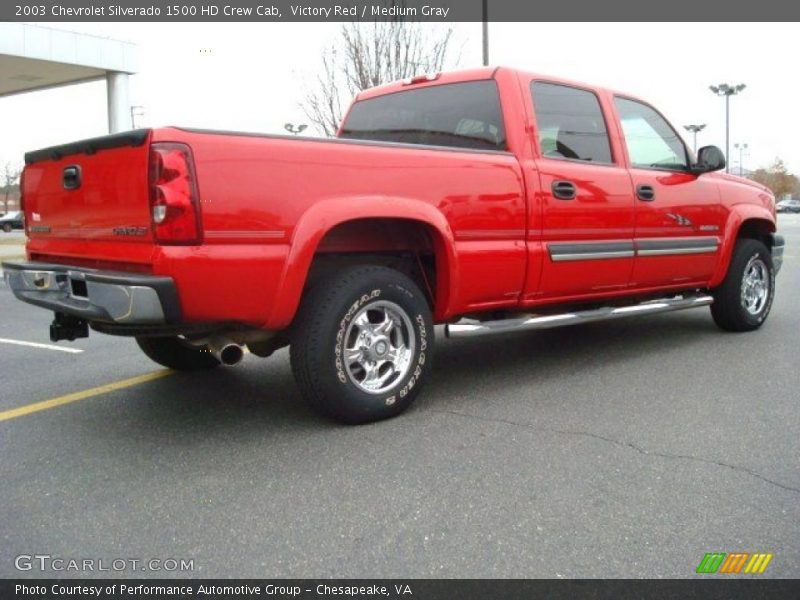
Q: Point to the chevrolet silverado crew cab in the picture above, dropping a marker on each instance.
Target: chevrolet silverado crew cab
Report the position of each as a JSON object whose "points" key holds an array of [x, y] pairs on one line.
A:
{"points": [[490, 201]]}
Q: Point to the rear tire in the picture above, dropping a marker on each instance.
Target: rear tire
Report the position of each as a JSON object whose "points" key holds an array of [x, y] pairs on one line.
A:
{"points": [[743, 301], [362, 344], [174, 353], [7, 227]]}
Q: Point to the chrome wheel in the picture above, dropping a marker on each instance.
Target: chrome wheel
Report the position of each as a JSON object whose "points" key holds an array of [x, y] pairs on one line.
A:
{"points": [[379, 347], [755, 286]]}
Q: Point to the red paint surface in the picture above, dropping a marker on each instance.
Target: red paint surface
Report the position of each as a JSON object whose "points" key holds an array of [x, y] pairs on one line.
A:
{"points": [[267, 202]]}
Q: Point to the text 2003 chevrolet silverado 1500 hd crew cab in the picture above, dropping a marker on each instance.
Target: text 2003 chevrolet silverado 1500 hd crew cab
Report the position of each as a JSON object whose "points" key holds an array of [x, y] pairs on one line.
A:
{"points": [[490, 200]]}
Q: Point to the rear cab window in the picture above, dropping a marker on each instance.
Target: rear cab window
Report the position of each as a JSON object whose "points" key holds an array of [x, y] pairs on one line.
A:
{"points": [[458, 115]]}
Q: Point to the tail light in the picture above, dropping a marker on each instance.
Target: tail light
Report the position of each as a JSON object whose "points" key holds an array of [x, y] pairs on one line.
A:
{"points": [[174, 203]]}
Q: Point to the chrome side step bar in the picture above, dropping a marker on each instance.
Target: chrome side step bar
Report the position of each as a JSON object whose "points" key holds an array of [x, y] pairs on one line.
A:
{"points": [[468, 329]]}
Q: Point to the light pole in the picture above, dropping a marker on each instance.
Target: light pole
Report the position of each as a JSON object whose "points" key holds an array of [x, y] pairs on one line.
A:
{"points": [[724, 89], [742, 148], [295, 129], [695, 129], [485, 33], [136, 111]]}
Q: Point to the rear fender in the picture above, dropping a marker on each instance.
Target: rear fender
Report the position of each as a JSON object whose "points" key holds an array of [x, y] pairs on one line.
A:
{"points": [[323, 216]]}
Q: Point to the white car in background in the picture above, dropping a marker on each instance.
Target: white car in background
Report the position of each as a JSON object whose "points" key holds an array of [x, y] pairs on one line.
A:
{"points": [[12, 220]]}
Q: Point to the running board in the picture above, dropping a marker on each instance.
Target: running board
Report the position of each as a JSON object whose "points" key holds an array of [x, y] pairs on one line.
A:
{"points": [[455, 330]]}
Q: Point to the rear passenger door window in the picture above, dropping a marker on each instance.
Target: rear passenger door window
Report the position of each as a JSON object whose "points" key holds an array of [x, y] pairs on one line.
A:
{"points": [[570, 123]]}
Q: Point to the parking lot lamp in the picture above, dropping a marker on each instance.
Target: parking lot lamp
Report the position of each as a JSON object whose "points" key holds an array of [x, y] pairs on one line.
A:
{"points": [[695, 129], [727, 90], [295, 129], [742, 148]]}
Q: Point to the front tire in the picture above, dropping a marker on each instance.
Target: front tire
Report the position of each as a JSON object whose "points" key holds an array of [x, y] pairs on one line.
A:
{"points": [[7, 227], [174, 353], [362, 344], [743, 301]]}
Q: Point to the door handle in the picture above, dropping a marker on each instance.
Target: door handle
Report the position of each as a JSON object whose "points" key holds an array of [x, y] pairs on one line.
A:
{"points": [[71, 177], [645, 192], [564, 190]]}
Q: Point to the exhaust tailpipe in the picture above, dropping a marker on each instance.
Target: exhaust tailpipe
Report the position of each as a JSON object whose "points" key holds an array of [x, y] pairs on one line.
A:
{"points": [[226, 351]]}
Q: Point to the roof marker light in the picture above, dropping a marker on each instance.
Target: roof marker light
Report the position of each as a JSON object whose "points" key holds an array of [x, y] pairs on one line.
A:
{"points": [[421, 78]]}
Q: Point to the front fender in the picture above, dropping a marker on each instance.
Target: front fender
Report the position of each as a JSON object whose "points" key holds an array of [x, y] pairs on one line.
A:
{"points": [[739, 214], [323, 216]]}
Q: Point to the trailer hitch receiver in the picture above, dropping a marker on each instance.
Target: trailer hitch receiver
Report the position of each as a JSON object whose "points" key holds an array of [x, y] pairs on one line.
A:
{"points": [[67, 327]]}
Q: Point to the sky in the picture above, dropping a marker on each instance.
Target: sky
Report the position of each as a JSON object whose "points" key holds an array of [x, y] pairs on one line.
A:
{"points": [[252, 76]]}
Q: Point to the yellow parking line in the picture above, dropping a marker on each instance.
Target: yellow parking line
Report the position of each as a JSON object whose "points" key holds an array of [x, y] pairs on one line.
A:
{"points": [[75, 396]]}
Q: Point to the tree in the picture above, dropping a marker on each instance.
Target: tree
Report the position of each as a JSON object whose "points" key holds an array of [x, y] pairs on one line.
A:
{"points": [[11, 174], [777, 178], [370, 54]]}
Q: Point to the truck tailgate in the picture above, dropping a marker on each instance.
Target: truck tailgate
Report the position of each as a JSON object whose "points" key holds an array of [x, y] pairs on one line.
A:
{"points": [[95, 191]]}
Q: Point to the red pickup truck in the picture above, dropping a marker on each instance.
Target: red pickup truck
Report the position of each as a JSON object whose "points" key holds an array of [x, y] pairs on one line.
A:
{"points": [[491, 200]]}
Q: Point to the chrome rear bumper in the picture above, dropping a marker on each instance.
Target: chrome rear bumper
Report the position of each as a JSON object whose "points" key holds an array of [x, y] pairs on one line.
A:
{"points": [[91, 295]]}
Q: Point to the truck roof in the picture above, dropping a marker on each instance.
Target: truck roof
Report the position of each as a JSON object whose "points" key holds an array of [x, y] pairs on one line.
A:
{"points": [[466, 75]]}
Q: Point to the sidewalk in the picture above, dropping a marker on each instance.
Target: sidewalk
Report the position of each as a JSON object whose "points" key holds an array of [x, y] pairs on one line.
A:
{"points": [[12, 246]]}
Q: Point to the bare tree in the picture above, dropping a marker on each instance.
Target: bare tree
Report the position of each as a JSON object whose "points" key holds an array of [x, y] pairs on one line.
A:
{"points": [[11, 175], [370, 54], [777, 178]]}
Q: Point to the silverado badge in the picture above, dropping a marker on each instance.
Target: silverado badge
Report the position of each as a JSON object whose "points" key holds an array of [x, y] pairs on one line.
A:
{"points": [[130, 231]]}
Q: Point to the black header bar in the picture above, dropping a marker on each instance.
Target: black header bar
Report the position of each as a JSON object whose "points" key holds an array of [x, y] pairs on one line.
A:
{"points": [[410, 589], [412, 10]]}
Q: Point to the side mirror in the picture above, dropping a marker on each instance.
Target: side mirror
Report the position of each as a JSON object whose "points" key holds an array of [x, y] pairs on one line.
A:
{"points": [[709, 158]]}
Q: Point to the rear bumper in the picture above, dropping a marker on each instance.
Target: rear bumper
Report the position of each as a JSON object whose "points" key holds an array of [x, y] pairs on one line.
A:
{"points": [[777, 251], [91, 295]]}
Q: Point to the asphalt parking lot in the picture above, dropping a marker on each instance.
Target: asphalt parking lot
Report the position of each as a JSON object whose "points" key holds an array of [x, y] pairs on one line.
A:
{"points": [[621, 449]]}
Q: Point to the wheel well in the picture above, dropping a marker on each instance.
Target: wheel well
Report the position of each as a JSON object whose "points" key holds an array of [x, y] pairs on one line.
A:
{"points": [[403, 244], [757, 229]]}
